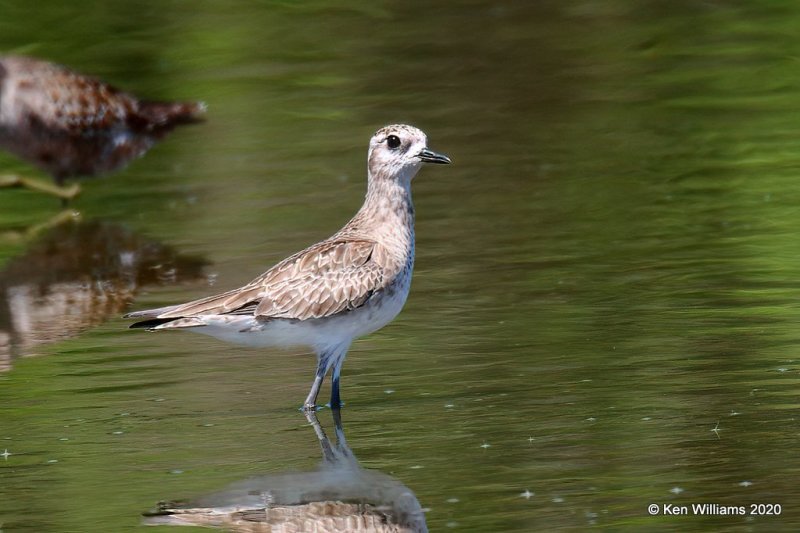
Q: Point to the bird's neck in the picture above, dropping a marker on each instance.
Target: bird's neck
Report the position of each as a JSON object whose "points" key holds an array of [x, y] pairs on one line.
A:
{"points": [[388, 214]]}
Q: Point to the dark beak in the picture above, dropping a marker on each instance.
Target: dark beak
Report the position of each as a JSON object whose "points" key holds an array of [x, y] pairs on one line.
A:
{"points": [[429, 156]]}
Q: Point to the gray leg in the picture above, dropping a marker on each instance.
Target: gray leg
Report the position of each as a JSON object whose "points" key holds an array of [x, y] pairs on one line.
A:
{"points": [[327, 358], [311, 400]]}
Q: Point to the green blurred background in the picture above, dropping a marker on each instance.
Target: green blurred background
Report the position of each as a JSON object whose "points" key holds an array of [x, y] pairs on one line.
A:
{"points": [[605, 304]]}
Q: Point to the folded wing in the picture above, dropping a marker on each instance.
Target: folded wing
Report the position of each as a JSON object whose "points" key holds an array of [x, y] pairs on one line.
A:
{"points": [[323, 280]]}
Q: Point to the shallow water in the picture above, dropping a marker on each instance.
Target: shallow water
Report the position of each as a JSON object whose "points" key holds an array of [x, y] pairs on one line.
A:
{"points": [[604, 310]]}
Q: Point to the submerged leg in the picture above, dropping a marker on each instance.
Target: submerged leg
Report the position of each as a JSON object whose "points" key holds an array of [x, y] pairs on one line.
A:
{"points": [[341, 442], [327, 450]]}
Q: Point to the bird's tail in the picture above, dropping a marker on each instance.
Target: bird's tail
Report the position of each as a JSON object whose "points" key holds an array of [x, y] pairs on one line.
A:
{"points": [[151, 323], [168, 323], [167, 115]]}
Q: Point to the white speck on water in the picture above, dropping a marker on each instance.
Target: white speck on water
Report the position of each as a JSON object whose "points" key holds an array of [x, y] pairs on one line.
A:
{"points": [[591, 419], [63, 439], [735, 413], [5, 454], [389, 391], [782, 370], [448, 406], [208, 425], [558, 499], [52, 461], [745, 483], [676, 490], [176, 471], [485, 445], [646, 419], [416, 467], [531, 439], [452, 524], [117, 432], [527, 494], [452, 500]]}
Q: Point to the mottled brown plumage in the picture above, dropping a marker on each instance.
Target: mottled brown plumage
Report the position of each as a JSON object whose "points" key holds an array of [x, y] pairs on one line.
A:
{"points": [[346, 286], [72, 125], [323, 280]]}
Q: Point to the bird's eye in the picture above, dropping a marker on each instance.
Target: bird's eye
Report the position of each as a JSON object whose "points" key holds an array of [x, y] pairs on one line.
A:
{"points": [[392, 141]]}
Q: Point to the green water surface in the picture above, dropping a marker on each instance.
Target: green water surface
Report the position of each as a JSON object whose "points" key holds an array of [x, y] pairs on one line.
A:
{"points": [[605, 311]]}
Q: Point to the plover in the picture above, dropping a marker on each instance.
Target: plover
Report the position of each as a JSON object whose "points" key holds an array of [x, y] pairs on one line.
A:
{"points": [[72, 125], [344, 287]]}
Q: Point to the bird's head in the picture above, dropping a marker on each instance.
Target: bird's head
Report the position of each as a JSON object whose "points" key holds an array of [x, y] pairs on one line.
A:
{"points": [[397, 152]]}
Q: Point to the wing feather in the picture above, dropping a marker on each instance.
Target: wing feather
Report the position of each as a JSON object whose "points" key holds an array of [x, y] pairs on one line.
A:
{"points": [[325, 279], [329, 279]]}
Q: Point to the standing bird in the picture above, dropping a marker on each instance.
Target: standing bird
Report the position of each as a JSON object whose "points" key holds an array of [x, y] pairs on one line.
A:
{"points": [[344, 287], [70, 125]]}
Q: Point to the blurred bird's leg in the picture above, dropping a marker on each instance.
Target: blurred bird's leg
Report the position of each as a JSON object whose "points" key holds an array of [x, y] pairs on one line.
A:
{"points": [[64, 192], [325, 444]]}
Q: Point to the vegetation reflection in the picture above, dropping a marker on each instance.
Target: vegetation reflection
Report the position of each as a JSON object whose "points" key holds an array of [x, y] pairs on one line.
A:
{"points": [[75, 276]]}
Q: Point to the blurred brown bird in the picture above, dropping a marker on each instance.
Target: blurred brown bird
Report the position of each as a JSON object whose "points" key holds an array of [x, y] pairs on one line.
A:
{"points": [[71, 125]]}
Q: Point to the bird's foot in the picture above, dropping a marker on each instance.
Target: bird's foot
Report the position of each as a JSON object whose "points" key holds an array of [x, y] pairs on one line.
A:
{"points": [[66, 193]]}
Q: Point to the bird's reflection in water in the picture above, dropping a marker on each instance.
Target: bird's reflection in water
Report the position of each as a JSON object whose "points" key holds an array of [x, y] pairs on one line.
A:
{"points": [[71, 125], [339, 496], [76, 275]]}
